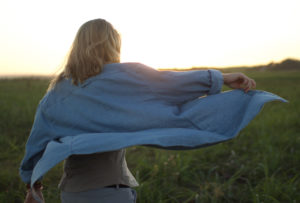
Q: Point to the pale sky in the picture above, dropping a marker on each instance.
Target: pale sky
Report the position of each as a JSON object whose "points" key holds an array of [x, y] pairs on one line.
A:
{"points": [[36, 35]]}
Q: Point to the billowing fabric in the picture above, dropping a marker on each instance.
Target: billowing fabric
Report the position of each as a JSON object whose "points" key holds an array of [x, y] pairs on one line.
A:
{"points": [[131, 104]]}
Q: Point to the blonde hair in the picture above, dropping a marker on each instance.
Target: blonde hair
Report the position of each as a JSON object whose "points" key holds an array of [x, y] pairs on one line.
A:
{"points": [[96, 43]]}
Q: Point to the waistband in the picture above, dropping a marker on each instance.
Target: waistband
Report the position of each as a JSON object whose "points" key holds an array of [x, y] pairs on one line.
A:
{"points": [[117, 186]]}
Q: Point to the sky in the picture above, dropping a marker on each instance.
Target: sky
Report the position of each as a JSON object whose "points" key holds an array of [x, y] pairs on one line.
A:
{"points": [[35, 35]]}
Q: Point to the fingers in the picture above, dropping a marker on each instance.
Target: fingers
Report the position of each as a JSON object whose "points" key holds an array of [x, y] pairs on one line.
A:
{"points": [[253, 84], [248, 83]]}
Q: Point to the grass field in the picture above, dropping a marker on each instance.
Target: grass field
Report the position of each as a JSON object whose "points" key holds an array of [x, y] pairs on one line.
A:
{"points": [[261, 165]]}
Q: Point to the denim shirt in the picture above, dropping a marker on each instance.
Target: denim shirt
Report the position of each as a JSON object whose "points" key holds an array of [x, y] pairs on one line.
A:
{"points": [[131, 104]]}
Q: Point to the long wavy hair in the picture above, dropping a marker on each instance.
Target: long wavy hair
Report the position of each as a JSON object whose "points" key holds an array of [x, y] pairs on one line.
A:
{"points": [[96, 43]]}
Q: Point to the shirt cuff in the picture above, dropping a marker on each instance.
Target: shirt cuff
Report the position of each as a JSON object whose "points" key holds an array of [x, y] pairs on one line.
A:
{"points": [[26, 176], [216, 79]]}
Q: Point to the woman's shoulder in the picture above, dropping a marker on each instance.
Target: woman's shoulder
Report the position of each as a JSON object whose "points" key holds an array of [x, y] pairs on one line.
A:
{"points": [[128, 69], [125, 66]]}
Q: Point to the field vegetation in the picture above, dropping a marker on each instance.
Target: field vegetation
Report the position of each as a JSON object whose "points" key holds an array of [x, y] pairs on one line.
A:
{"points": [[261, 165]]}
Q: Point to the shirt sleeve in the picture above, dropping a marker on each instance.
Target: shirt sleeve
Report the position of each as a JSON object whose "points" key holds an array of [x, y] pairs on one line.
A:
{"points": [[181, 86], [35, 146]]}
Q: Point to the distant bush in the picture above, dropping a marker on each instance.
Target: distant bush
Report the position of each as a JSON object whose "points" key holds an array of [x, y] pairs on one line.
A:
{"points": [[288, 64]]}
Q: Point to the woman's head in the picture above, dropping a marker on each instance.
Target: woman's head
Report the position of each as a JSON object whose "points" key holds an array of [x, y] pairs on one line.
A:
{"points": [[96, 43]]}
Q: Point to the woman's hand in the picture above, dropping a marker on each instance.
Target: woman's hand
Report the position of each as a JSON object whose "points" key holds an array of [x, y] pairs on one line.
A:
{"points": [[38, 190], [238, 81]]}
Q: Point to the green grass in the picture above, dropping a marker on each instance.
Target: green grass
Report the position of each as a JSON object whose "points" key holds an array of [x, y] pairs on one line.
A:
{"points": [[261, 165]]}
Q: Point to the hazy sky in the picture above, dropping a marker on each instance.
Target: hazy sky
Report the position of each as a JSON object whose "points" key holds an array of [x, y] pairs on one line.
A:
{"points": [[36, 35]]}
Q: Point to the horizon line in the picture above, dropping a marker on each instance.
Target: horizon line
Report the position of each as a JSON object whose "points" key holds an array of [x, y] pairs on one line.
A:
{"points": [[42, 75]]}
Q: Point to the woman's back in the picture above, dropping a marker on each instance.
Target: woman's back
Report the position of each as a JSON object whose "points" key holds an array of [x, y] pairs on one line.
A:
{"points": [[90, 171], [125, 97]]}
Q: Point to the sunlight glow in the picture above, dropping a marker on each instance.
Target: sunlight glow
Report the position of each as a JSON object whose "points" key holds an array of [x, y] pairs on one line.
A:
{"points": [[36, 35]]}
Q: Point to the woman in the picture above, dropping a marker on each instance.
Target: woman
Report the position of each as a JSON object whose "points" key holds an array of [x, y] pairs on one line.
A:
{"points": [[97, 106]]}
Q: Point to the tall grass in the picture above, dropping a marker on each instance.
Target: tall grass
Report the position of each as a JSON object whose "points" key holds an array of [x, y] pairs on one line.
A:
{"points": [[261, 165]]}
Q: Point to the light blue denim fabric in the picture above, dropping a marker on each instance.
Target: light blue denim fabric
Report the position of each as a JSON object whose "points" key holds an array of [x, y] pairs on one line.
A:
{"points": [[101, 195], [131, 104]]}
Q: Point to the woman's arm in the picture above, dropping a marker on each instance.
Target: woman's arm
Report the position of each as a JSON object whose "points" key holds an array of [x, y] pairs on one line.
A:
{"points": [[40, 135], [174, 87], [179, 87]]}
